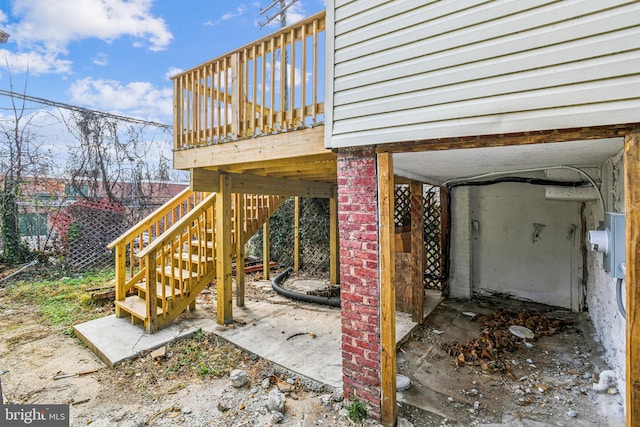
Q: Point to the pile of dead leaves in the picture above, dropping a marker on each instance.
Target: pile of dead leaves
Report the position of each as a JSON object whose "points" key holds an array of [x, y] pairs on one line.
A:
{"points": [[489, 350]]}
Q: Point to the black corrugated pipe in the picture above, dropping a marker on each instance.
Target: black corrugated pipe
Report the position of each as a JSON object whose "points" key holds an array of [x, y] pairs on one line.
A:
{"points": [[275, 284]]}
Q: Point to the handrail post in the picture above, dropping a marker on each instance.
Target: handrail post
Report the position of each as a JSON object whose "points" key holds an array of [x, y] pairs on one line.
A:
{"points": [[151, 297], [121, 275]]}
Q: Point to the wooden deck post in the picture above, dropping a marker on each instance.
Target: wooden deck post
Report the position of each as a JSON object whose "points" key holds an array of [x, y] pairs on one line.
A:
{"points": [[239, 229], [223, 251], [387, 289], [121, 276], [334, 244], [266, 249], [417, 251], [632, 230], [151, 297], [296, 235]]}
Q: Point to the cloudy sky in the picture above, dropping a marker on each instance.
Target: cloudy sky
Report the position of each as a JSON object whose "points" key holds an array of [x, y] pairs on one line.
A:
{"points": [[117, 55]]}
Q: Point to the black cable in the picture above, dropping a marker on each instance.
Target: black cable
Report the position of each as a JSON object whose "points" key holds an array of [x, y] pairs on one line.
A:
{"points": [[523, 180]]}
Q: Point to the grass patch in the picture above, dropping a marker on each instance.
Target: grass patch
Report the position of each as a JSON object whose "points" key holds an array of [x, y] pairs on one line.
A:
{"points": [[357, 411], [62, 301]]}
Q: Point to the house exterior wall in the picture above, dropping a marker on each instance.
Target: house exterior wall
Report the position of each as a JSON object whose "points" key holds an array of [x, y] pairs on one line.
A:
{"points": [[359, 276], [504, 252], [609, 324], [414, 70]]}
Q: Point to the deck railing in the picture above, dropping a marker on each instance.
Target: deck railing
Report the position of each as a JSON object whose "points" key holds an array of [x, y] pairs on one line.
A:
{"points": [[248, 92], [129, 268]]}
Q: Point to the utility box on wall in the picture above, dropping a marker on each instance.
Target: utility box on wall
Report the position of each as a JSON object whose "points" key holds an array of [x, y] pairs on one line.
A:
{"points": [[611, 242]]}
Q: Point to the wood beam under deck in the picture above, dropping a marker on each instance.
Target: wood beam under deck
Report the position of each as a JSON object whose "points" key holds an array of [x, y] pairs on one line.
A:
{"points": [[286, 145], [523, 138], [207, 180]]}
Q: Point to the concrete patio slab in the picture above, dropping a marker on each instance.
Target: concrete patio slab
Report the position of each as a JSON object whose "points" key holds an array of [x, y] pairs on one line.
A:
{"points": [[303, 338]]}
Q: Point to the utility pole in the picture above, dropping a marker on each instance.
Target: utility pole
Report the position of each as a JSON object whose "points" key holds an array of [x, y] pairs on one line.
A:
{"points": [[281, 15]]}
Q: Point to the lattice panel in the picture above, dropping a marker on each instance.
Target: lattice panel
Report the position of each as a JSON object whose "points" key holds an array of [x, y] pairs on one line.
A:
{"points": [[434, 257], [402, 212]]}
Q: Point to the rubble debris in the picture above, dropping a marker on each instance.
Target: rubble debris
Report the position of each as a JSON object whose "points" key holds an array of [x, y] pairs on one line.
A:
{"points": [[498, 337], [238, 378], [329, 291], [607, 380], [77, 374], [275, 401]]}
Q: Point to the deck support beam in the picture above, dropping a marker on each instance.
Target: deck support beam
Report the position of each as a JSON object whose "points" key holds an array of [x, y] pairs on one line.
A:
{"points": [[240, 255], [223, 252], [632, 231], [387, 289], [334, 243], [417, 251], [208, 180]]}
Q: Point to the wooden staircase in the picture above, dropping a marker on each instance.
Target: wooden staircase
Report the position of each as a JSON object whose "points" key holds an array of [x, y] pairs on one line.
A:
{"points": [[174, 250]]}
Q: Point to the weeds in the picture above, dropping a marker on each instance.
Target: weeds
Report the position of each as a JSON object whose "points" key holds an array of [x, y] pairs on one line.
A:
{"points": [[357, 411], [62, 301]]}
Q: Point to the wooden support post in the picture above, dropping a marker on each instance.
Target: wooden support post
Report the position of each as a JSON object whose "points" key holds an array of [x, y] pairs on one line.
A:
{"points": [[266, 249], [334, 248], [121, 276], [239, 227], [417, 251], [632, 283], [387, 288], [444, 238], [296, 235], [151, 297], [223, 251]]}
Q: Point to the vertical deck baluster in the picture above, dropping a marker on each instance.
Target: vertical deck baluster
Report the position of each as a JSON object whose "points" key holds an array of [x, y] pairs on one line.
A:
{"points": [[314, 107], [303, 83], [291, 70], [263, 88], [252, 121]]}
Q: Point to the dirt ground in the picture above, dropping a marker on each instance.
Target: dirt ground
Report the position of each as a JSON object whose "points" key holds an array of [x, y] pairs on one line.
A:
{"points": [[547, 384]]}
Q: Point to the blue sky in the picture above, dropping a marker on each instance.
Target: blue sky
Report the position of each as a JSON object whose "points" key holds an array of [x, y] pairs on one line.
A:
{"points": [[117, 55]]}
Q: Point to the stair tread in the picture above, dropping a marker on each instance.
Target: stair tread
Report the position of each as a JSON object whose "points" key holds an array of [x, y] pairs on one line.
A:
{"points": [[175, 271], [136, 306], [143, 287], [208, 244], [195, 257]]}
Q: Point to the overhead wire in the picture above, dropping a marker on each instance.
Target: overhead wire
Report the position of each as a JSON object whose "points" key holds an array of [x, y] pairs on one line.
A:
{"points": [[79, 109]]}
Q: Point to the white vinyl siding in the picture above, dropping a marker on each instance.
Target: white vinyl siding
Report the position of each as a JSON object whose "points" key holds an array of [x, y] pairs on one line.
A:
{"points": [[407, 69]]}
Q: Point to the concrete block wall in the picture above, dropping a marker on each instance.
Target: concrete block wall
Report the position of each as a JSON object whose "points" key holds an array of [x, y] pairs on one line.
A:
{"points": [[358, 230], [608, 323]]}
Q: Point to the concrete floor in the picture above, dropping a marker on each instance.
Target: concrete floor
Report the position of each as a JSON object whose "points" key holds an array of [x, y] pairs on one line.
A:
{"points": [[301, 337]]}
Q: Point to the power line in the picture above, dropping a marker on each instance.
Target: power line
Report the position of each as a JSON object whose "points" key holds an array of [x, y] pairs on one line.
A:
{"points": [[82, 109]]}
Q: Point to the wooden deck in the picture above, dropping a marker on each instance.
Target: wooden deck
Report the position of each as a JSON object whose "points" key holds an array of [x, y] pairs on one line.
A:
{"points": [[248, 113]]}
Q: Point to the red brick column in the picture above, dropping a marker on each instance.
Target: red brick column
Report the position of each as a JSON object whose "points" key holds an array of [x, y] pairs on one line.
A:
{"points": [[358, 228]]}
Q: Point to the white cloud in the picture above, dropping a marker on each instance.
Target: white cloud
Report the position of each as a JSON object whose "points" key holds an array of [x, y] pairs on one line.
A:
{"points": [[172, 71], [35, 62], [141, 99], [101, 59], [57, 23], [240, 10]]}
